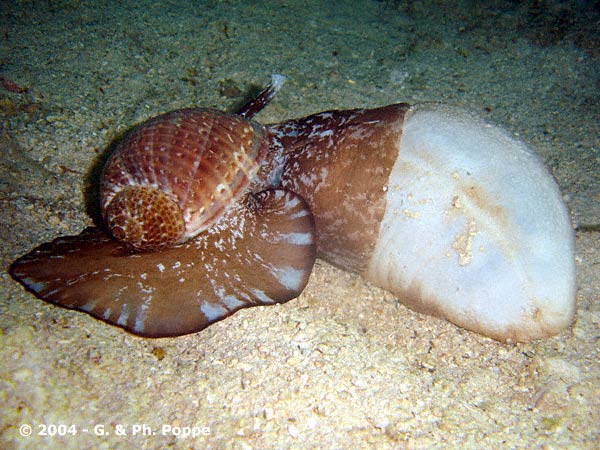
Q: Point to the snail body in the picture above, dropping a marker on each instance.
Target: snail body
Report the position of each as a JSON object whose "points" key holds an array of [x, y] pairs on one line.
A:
{"points": [[451, 214]]}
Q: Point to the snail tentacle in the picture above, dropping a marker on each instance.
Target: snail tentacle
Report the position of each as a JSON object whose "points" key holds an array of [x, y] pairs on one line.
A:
{"points": [[255, 105]]}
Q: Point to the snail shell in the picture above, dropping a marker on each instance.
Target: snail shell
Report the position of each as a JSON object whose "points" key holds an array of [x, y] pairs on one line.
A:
{"points": [[176, 174]]}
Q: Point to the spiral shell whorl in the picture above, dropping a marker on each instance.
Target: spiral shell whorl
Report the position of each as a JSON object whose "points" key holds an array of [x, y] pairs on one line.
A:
{"points": [[191, 163], [146, 218]]}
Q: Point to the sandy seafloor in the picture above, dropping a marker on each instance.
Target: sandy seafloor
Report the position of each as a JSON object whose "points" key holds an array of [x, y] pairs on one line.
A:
{"points": [[345, 365]]}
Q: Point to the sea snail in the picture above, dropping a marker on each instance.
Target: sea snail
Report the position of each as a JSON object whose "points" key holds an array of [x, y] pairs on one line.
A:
{"points": [[197, 238], [451, 214]]}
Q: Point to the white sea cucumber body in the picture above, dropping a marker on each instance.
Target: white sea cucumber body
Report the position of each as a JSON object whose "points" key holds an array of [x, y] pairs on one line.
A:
{"points": [[475, 229]]}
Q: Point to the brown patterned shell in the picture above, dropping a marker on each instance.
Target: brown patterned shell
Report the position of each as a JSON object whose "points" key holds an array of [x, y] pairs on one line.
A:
{"points": [[176, 175]]}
